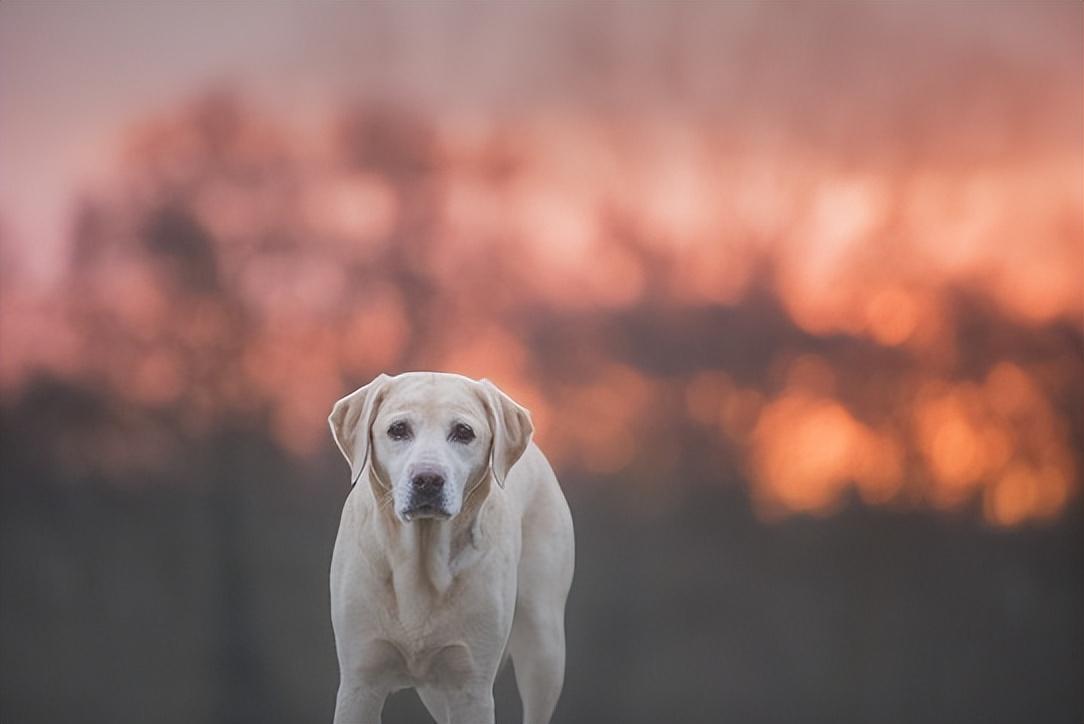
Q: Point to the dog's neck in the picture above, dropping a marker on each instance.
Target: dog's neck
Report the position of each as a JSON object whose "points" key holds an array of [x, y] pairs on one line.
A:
{"points": [[428, 553]]}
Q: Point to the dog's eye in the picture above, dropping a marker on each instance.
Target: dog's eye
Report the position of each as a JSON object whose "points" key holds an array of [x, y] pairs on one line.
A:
{"points": [[461, 433], [399, 430]]}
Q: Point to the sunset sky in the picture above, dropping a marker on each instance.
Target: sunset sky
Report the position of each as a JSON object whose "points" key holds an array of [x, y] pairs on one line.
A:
{"points": [[867, 163], [73, 76]]}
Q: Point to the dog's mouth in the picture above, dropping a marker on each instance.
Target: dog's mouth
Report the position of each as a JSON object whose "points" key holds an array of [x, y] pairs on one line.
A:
{"points": [[425, 510]]}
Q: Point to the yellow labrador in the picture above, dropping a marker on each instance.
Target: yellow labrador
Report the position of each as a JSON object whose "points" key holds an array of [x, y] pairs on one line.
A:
{"points": [[455, 550]]}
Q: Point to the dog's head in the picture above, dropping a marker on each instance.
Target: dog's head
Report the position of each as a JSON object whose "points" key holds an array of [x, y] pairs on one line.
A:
{"points": [[429, 439]]}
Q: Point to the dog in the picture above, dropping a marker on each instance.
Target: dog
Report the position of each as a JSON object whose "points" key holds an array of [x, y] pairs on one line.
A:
{"points": [[455, 551]]}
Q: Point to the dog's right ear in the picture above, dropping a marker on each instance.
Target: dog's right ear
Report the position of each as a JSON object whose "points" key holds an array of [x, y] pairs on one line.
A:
{"points": [[351, 419]]}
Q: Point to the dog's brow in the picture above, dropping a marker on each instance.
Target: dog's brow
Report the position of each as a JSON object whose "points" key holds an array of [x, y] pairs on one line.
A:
{"points": [[405, 413], [465, 414]]}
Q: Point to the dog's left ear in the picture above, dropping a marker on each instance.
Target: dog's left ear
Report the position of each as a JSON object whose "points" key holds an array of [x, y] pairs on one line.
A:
{"points": [[351, 419], [512, 430]]}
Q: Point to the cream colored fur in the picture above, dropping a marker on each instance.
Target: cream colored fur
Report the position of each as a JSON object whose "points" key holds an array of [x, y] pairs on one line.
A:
{"points": [[436, 596]]}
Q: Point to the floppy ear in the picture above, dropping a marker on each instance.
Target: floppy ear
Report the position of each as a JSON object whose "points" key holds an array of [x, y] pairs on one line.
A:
{"points": [[350, 420], [512, 430]]}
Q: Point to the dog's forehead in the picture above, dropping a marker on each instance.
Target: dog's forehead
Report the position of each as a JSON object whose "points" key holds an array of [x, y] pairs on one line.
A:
{"points": [[433, 394]]}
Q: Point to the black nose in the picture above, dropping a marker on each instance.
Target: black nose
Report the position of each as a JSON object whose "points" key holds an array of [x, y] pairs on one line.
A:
{"points": [[427, 482]]}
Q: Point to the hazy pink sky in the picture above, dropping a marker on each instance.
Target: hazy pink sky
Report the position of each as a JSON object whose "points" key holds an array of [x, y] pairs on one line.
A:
{"points": [[74, 74]]}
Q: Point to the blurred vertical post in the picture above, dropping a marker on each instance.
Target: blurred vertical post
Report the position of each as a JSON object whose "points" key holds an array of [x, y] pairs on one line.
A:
{"points": [[242, 700]]}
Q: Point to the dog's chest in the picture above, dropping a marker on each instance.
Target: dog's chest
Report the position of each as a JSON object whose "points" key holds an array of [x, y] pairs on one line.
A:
{"points": [[440, 634], [435, 639], [447, 665]]}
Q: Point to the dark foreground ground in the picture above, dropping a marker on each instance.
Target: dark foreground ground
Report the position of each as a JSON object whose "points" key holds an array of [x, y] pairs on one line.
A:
{"points": [[190, 602]]}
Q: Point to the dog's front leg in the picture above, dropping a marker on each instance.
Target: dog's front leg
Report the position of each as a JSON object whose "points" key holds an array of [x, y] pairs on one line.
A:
{"points": [[471, 705], [358, 703]]}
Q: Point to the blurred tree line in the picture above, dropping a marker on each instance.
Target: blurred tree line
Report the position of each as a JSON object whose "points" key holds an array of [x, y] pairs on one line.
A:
{"points": [[170, 499]]}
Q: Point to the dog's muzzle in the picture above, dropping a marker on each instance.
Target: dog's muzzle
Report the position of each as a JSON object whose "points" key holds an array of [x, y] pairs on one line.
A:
{"points": [[426, 497]]}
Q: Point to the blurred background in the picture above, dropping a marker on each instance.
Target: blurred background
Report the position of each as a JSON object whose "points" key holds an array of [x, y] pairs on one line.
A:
{"points": [[793, 292]]}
